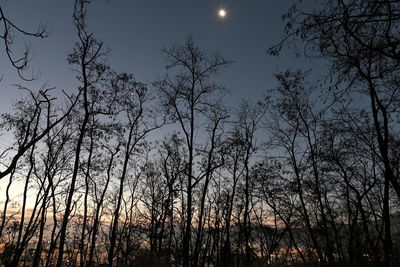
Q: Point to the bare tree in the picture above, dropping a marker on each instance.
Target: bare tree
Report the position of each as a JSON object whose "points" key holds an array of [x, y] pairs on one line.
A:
{"points": [[360, 41], [186, 96], [85, 55], [20, 63], [140, 122]]}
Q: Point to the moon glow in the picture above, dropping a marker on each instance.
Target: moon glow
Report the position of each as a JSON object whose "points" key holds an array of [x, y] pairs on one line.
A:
{"points": [[222, 13]]}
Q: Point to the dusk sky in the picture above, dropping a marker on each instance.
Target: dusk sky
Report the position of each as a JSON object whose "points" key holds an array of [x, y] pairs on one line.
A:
{"points": [[138, 157], [136, 31]]}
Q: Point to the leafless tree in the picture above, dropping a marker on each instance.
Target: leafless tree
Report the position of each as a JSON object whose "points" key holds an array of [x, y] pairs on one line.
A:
{"points": [[9, 27], [359, 39], [186, 95]]}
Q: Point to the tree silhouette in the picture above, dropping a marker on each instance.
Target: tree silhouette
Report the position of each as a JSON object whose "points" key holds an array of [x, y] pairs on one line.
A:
{"points": [[20, 63]]}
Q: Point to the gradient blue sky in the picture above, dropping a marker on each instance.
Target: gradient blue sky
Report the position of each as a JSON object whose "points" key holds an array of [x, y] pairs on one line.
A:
{"points": [[136, 30]]}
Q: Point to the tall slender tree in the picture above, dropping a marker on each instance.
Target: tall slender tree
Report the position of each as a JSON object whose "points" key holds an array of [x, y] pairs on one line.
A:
{"points": [[186, 95]]}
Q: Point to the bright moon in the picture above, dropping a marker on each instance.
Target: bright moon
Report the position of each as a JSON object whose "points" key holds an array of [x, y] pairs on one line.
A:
{"points": [[222, 13]]}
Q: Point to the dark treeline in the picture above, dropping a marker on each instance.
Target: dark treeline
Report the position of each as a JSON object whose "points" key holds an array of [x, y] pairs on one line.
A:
{"points": [[123, 173]]}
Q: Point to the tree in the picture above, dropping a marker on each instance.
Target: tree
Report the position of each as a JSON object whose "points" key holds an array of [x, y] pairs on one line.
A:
{"points": [[295, 129], [360, 40], [20, 63], [134, 105], [349, 156], [85, 55], [186, 96], [244, 135]]}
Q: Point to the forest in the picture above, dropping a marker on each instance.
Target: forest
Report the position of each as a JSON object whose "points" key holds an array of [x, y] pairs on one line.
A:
{"points": [[122, 172]]}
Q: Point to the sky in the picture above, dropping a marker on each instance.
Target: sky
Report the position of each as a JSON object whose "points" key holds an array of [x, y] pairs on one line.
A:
{"points": [[137, 30]]}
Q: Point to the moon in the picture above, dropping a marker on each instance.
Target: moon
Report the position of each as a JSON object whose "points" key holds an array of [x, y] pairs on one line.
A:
{"points": [[222, 13]]}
